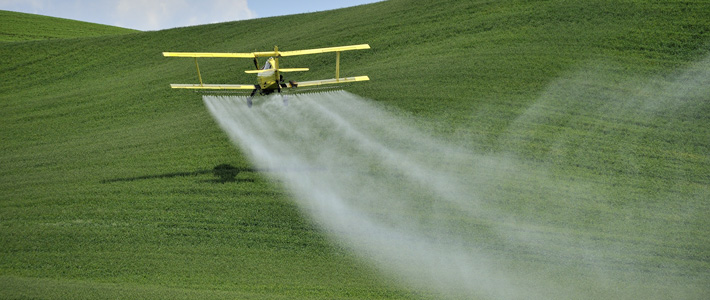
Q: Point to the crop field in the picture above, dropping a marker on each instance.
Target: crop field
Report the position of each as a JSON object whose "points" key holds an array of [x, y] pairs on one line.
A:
{"points": [[501, 150], [16, 26]]}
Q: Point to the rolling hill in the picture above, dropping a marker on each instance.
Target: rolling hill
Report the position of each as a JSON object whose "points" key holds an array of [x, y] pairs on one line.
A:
{"points": [[108, 186], [15, 26]]}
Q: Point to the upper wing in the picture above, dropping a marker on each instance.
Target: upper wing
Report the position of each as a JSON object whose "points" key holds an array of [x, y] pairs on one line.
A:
{"points": [[208, 54], [267, 53], [324, 50]]}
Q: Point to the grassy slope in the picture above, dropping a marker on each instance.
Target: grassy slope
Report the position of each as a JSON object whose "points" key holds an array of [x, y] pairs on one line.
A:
{"points": [[15, 26], [95, 147]]}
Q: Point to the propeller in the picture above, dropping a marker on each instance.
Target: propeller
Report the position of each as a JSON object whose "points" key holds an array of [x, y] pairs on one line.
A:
{"points": [[256, 63]]}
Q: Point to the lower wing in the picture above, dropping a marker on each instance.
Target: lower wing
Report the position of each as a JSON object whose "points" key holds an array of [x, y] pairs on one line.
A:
{"points": [[252, 87], [331, 81], [214, 86]]}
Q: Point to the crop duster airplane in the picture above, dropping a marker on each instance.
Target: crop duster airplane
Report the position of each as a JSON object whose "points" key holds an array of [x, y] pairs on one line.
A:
{"points": [[269, 76]]}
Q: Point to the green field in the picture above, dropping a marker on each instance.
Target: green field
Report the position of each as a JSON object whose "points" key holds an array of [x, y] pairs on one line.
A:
{"points": [[16, 26], [106, 174]]}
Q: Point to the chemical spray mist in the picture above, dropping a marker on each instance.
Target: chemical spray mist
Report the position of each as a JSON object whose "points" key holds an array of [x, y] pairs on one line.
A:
{"points": [[436, 215]]}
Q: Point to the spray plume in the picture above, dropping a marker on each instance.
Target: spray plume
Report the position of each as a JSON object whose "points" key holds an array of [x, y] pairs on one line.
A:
{"points": [[441, 217]]}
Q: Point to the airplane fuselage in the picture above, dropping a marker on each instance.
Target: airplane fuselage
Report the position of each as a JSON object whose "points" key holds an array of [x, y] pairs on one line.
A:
{"points": [[270, 79]]}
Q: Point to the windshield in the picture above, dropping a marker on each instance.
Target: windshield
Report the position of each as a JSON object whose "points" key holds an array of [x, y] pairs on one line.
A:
{"points": [[267, 65]]}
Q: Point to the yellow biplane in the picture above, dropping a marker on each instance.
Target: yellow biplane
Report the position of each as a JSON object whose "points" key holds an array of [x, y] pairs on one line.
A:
{"points": [[269, 76]]}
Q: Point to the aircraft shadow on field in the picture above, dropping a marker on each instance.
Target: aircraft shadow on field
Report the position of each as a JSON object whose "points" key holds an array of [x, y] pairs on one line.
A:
{"points": [[223, 173]]}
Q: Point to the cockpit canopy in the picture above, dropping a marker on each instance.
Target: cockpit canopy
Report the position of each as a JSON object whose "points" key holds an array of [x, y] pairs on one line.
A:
{"points": [[267, 65]]}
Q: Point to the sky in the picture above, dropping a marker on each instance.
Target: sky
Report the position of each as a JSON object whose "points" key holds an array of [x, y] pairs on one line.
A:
{"points": [[162, 14]]}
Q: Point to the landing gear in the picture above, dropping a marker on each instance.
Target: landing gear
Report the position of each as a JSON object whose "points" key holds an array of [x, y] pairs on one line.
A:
{"points": [[251, 96]]}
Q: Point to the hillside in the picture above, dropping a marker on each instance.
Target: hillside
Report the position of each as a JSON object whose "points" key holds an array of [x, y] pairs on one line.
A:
{"points": [[107, 187], [16, 26]]}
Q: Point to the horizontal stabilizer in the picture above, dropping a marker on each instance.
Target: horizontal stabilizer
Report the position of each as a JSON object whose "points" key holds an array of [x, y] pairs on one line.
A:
{"points": [[332, 81], [284, 70], [214, 86], [258, 71]]}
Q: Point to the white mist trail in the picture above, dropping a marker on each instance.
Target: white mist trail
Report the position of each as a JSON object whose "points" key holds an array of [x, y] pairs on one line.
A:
{"points": [[397, 197], [466, 225]]}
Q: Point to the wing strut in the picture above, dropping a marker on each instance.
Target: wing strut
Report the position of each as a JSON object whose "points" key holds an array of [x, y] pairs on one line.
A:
{"points": [[198, 71], [337, 66]]}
